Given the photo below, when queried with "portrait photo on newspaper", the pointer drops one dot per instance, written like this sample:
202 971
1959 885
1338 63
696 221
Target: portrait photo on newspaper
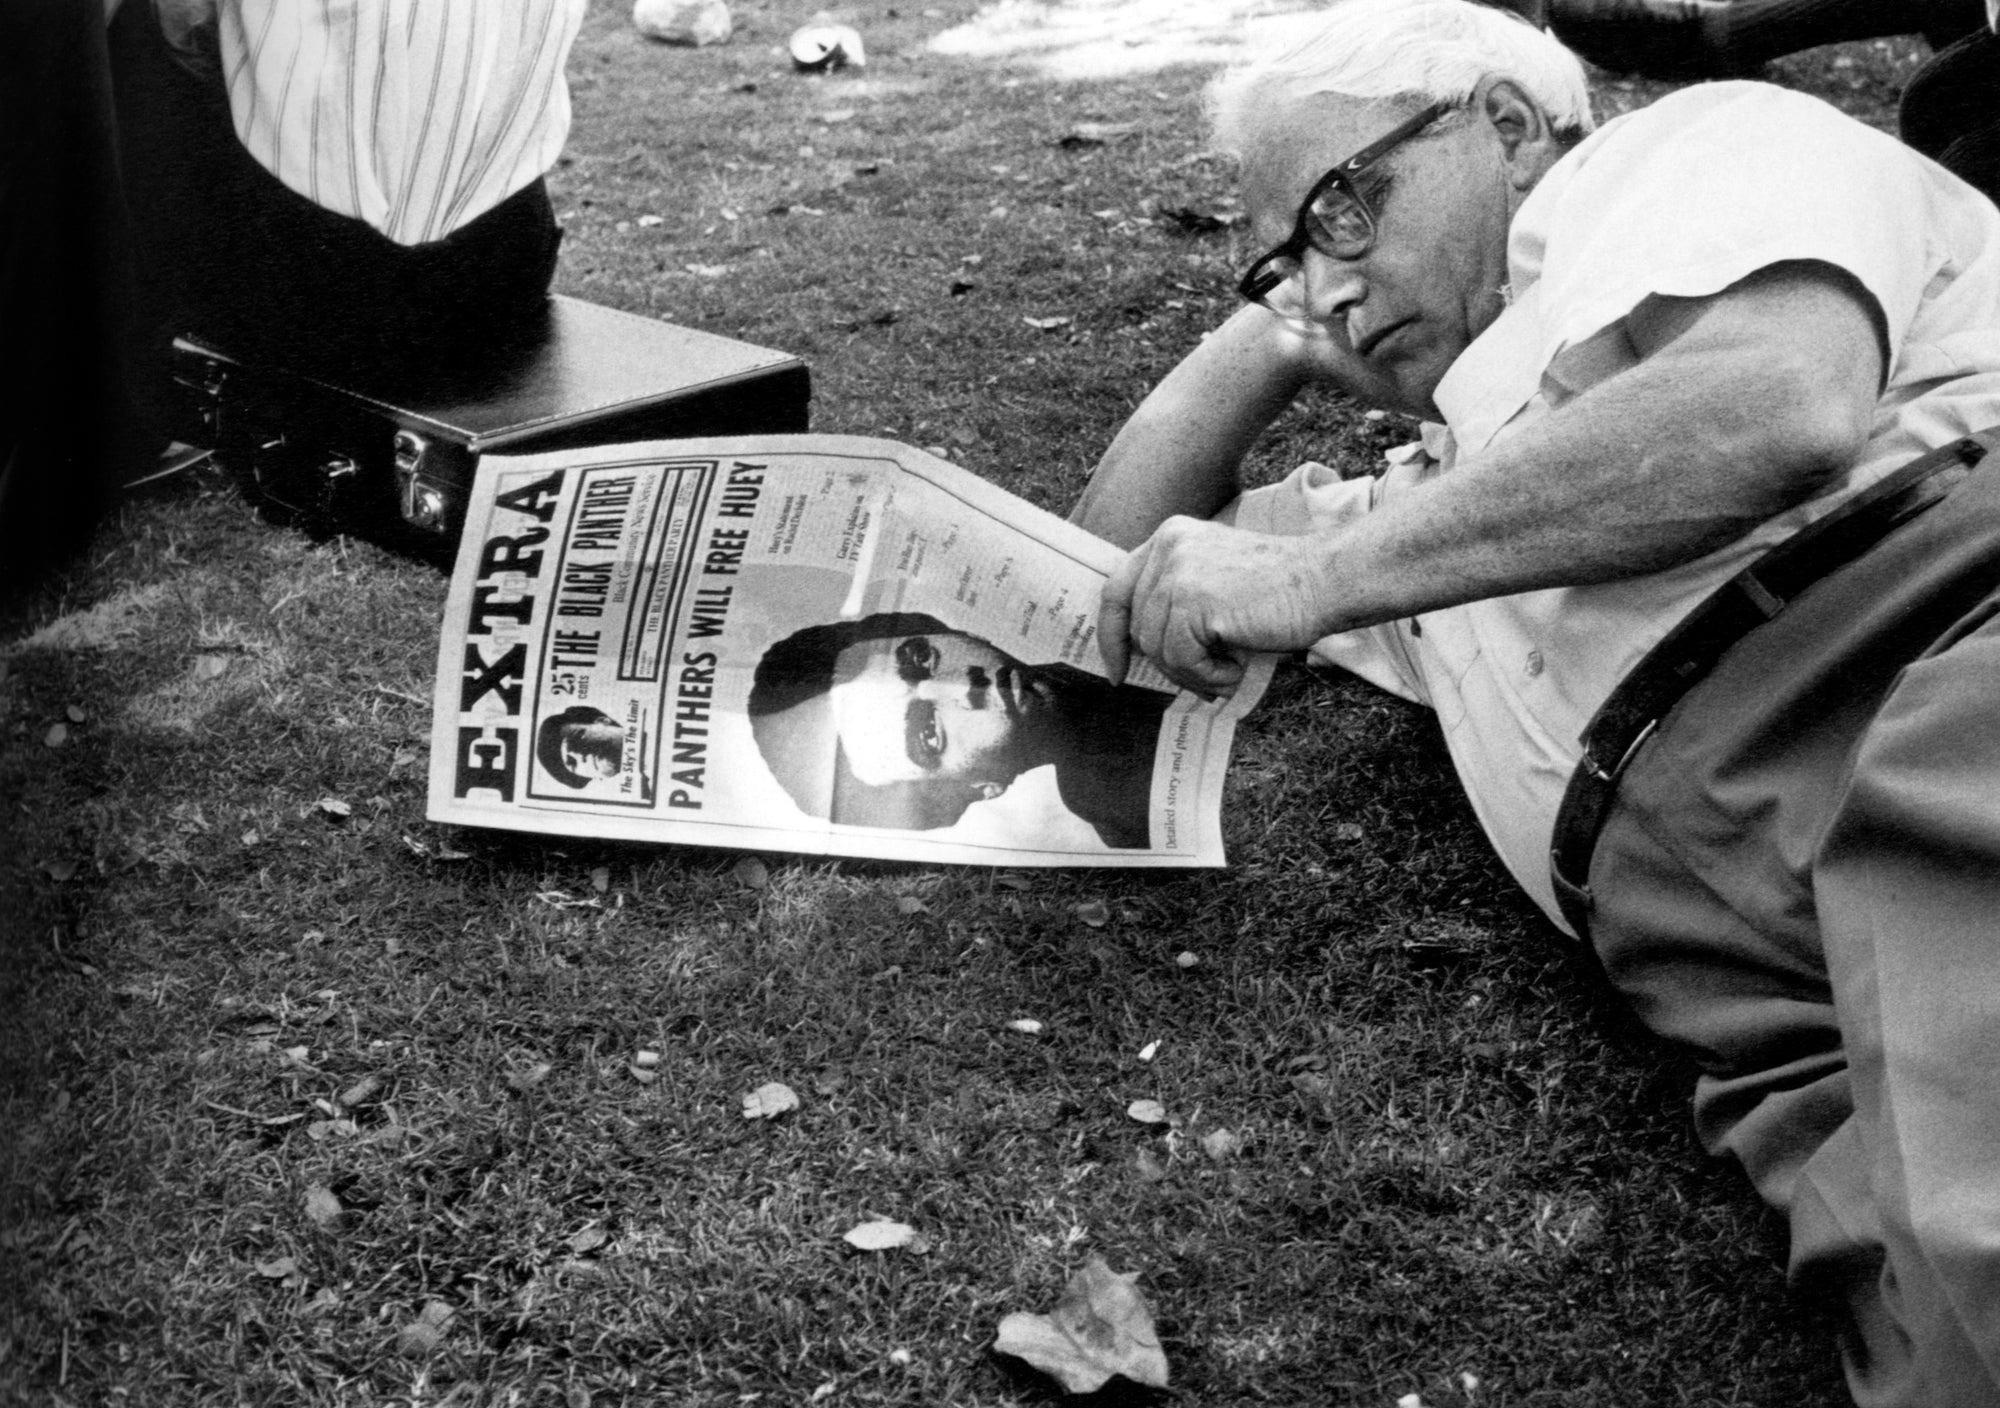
826 644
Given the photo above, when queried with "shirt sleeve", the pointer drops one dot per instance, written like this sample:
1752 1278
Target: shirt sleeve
1711 184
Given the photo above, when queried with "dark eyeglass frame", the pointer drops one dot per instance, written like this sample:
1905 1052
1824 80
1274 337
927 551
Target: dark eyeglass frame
1260 279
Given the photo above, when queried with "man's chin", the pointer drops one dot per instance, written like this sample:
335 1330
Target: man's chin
1416 396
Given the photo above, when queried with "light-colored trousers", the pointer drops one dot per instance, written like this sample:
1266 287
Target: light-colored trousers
1801 882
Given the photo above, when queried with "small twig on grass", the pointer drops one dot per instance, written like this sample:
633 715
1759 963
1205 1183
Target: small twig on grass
245 1114
400 694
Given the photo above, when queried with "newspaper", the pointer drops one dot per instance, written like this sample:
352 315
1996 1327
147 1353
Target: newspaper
816 643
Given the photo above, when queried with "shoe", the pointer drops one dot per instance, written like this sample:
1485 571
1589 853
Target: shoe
1677 39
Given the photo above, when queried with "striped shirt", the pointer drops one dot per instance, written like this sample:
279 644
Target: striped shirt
416 116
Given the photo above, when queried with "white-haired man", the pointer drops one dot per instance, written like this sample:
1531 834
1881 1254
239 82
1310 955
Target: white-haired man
1698 567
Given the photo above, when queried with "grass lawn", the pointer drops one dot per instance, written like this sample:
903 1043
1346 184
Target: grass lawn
304 1109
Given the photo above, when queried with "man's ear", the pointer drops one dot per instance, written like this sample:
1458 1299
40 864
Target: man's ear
1527 138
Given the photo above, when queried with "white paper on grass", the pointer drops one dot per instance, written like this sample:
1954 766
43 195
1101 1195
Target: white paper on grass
697 22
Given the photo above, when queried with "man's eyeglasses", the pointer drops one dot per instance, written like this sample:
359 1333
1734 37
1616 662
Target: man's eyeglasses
1334 219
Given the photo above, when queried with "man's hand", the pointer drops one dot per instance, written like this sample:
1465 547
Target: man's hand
1197 597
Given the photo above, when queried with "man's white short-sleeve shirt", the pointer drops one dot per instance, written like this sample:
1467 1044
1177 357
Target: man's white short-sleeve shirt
1683 198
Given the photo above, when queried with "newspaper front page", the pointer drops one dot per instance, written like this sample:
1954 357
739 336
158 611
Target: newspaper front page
825 644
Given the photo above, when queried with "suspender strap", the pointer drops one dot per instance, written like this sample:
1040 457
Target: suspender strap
1743 603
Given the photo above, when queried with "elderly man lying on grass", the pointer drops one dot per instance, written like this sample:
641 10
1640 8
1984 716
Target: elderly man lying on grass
1722 331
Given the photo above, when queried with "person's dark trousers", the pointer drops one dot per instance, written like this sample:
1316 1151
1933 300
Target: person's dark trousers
228 251
66 430
1754 32
1951 111
1690 39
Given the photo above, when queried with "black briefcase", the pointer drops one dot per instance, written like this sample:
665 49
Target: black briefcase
387 450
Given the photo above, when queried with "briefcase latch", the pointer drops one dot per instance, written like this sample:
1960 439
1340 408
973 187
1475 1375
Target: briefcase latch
422 496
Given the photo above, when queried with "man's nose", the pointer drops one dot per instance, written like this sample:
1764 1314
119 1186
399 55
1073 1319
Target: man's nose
970 690
1331 286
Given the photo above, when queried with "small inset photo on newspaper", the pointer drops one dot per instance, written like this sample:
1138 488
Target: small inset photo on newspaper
825 644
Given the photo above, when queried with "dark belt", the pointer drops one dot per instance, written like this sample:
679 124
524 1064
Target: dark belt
1746 601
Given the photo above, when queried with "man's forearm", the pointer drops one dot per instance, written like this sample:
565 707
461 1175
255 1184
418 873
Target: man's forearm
1150 473
1646 470
1180 451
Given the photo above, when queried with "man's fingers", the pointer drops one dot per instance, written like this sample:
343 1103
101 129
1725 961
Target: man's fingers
1189 656
1216 677
1114 616
1147 608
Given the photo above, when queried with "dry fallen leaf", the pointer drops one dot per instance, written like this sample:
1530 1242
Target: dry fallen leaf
1222 1144
365 1089
881 1235
322 1207
910 904
1027 1025
1192 221
1101 1327
751 873
57 735
588 1240
1317 1094
278 1268
420 1338
1095 913
1147 1111
74 713
334 807
527 1080
1187 958
770 1100
1046 324
1149 1166
1149 1051
1095 134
